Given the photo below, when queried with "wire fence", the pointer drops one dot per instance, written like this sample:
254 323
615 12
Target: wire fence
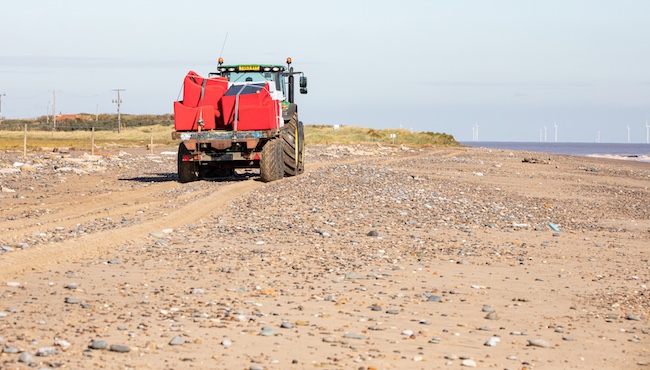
88 138
50 127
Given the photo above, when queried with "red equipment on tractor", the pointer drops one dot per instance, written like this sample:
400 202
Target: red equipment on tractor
243 116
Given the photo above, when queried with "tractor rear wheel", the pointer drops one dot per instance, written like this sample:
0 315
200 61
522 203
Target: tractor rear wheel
271 164
293 137
301 151
187 171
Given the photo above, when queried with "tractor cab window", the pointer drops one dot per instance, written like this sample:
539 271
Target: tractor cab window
249 76
276 80
280 84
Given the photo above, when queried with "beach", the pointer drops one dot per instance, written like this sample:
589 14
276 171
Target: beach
377 257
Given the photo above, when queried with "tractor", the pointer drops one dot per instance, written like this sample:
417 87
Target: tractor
242 116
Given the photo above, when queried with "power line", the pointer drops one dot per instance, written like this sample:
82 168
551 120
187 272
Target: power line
73 95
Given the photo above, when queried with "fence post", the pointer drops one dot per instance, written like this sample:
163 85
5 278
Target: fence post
25 143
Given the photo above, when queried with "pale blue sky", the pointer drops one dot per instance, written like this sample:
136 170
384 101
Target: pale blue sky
512 67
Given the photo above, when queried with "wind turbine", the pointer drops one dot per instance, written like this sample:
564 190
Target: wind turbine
544 133
477 132
628 134
473 133
555 125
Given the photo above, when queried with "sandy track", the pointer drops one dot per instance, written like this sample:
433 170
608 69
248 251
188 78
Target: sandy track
65 212
66 208
190 207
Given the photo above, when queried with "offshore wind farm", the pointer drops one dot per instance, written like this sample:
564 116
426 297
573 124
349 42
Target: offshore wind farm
624 151
630 135
633 148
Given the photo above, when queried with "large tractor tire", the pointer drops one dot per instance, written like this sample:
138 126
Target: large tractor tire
271 164
293 138
187 171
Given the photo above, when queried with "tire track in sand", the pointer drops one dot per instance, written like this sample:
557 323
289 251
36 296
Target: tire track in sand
89 246
15 264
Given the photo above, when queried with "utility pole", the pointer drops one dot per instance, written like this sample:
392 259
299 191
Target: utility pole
54 110
119 104
1 95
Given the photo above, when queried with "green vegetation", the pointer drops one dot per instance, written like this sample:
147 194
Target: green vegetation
85 122
137 131
323 134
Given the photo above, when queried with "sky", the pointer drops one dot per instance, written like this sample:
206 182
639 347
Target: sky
509 67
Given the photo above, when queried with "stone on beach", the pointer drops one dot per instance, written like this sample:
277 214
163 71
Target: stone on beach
176 341
539 343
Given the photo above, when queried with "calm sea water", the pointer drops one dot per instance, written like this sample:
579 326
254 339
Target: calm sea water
637 152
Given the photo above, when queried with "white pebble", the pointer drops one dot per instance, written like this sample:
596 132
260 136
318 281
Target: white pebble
492 341
538 343
468 363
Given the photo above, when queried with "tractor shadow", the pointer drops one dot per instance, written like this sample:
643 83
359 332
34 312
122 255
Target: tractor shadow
173 177
153 177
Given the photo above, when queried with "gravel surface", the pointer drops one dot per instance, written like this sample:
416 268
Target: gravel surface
375 258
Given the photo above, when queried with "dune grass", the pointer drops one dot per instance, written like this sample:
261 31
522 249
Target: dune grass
43 137
323 134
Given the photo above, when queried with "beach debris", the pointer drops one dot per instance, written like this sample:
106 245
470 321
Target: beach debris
553 226
536 160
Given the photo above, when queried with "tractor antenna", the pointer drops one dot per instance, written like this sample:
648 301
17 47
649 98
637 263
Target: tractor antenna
224 45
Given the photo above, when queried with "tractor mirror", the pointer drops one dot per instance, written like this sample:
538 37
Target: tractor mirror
303 85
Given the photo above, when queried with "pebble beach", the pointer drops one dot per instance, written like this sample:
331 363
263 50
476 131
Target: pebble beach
377 257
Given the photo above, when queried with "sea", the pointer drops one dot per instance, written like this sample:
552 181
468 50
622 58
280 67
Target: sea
622 151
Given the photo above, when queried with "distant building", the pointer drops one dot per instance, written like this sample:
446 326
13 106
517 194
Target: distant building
62 117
